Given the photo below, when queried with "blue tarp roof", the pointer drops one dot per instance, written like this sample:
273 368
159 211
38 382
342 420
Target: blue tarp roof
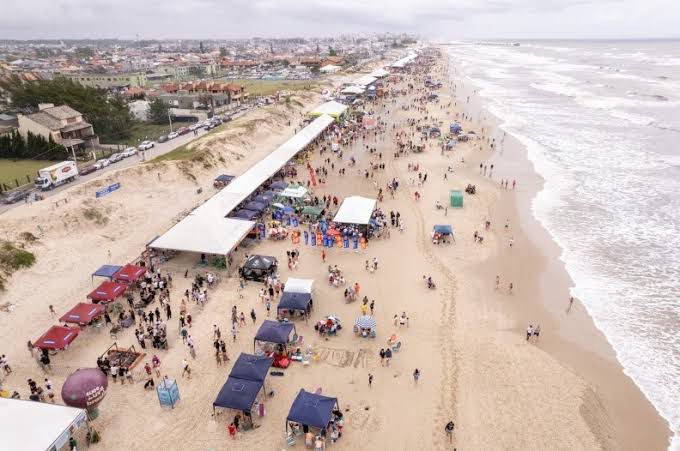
251 367
443 228
279 185
274 332
245 214
225 178
255 206
106 271
294 301
312 410
264 198
239 394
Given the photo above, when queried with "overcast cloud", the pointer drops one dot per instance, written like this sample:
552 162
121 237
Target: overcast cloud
448 19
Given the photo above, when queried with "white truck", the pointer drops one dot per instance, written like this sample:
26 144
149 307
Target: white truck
56 175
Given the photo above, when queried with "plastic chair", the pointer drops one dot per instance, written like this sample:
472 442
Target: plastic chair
290 439
396 347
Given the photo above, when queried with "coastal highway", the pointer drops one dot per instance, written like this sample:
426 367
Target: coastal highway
158 150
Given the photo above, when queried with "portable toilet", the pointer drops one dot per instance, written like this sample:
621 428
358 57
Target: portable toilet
456 198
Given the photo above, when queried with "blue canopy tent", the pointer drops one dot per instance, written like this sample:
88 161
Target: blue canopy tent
312 410
255 206
264 199
295 301
279 185
274 332
106 271
251 367
238 394
455 128
245 214
444 229
224 178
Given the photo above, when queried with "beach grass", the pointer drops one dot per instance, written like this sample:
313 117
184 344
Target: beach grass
19 169
184 152
142 131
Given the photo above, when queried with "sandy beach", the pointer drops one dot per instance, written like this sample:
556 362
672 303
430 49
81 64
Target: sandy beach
564 390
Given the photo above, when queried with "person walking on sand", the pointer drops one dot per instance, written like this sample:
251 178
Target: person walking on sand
382 356
530 331
416 375
498 281
510 288
537 331
370 380
372 306
233 331
253 316
323 255
52 312
185 369
388 356
449 430
571 302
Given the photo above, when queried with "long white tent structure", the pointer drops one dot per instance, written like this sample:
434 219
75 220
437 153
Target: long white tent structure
355 210
37 426
364 80
331 108
205 234
206 229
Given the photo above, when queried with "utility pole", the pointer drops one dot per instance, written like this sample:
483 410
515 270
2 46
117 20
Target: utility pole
170 119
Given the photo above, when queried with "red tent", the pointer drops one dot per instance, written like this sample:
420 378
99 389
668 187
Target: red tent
129 273
107 291
57 337
83 313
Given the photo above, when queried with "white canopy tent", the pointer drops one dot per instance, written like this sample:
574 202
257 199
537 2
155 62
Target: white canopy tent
331 108
353 90
365 80
205 234
36 426
298 285
379 73
355 210
295 192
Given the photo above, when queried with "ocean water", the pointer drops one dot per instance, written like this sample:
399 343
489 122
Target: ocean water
601 122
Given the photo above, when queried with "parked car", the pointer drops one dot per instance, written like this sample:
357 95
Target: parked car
15 196
173 135
163 138
101 164
130 151
183 130
116 157
195 126
87 170
145 145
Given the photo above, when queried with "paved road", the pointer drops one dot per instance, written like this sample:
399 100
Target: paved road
158 150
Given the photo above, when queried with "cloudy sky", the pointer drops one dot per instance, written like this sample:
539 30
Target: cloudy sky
450 19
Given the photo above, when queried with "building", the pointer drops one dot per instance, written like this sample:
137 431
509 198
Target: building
108 81
62 123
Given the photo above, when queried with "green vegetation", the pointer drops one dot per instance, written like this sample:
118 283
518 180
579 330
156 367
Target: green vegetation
109 115
184 152
94 215
19 169
14 145
158 111
142 131
13 258
269 87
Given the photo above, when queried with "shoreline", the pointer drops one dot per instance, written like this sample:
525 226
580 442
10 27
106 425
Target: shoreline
575 340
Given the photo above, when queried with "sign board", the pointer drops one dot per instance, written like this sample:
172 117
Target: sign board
109 189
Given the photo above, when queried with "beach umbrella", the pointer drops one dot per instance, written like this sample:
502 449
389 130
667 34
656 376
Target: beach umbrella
365 322
279 205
